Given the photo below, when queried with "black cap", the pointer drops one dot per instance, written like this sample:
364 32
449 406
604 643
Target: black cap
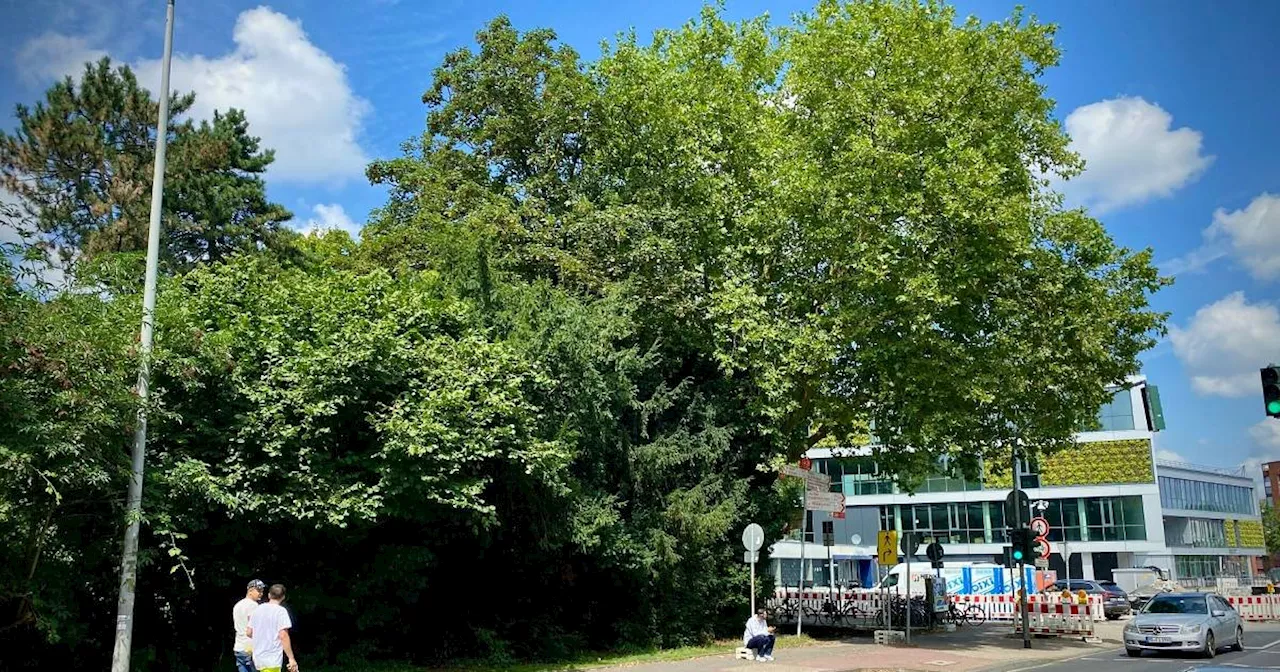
257 584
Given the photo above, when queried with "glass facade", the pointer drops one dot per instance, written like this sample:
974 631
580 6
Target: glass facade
1073 519
1210 566
1116 414
1197 532
855 476
1181 493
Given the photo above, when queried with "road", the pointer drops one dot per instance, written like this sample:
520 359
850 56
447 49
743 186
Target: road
1262 652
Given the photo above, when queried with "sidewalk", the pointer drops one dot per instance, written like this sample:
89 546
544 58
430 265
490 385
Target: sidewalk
966 650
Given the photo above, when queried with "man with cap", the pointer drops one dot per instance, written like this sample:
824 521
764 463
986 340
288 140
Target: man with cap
243 647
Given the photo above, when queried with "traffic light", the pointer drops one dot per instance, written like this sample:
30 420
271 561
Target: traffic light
1271 390
1008 560
1021 542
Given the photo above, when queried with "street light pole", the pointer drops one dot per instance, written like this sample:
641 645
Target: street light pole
129 556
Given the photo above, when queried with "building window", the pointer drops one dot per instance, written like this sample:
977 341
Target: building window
1196 566
861 476
888 518
1028 474
1072 519
1188 495
1195 532
1114 415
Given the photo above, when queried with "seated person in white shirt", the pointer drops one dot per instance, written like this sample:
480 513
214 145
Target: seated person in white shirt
759 636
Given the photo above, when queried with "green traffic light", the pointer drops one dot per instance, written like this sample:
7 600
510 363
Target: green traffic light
1017 555
1273 406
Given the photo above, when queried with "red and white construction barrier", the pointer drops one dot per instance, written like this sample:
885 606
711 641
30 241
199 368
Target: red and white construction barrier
1063 618
1256 608
1005 607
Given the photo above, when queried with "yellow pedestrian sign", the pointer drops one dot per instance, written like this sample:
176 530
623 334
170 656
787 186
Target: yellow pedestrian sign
887 548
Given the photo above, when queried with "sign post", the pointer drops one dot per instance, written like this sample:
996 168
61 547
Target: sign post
910 544
816 497
752 540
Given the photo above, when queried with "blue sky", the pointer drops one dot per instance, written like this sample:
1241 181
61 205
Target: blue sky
1173 106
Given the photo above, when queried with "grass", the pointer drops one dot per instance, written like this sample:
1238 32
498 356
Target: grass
583 662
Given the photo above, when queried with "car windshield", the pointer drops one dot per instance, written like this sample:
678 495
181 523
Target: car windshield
1168 604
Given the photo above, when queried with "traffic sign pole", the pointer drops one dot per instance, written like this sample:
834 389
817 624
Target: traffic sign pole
804 518
1022 566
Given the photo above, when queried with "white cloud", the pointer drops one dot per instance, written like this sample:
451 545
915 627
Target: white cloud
1169 456
1266 434
1225 343
1252 234
330 217
54 56
296 96
1131 153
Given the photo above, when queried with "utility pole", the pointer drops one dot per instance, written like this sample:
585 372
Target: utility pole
1022 564
129 557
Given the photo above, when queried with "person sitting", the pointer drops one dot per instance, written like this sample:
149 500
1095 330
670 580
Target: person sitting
759 636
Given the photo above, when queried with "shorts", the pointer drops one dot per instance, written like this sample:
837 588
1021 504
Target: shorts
268 669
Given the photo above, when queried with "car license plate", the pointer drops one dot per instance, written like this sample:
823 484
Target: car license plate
1159 640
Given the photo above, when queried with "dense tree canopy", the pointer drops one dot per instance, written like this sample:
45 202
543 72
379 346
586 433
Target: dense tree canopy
532 408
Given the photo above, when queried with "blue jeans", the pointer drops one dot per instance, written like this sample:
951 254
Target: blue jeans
244 662
763 644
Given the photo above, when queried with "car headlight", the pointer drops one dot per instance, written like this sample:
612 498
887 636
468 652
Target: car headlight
1191 629
1130 627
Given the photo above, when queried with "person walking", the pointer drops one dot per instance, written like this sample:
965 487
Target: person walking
759 636
243 646
269 629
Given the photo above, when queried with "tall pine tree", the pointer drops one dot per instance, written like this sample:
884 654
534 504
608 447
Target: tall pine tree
80 164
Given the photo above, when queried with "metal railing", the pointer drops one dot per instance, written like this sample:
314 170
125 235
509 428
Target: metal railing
1225 471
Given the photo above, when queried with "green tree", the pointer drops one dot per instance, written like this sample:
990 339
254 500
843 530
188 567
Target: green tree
80 162
1271 528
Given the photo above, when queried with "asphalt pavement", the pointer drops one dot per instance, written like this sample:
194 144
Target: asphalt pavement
1262 652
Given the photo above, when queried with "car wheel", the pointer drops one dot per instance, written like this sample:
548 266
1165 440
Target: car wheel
1210 646
1239 645
1134 653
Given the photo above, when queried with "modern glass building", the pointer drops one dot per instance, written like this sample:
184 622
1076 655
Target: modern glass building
1108 502
1211 520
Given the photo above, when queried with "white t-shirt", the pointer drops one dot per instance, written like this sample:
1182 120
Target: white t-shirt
267 621
755 626
240 621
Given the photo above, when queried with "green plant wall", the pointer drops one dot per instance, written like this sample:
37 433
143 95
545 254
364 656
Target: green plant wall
1251 534
1090 463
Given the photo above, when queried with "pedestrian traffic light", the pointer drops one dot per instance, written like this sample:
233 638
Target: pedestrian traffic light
1271 390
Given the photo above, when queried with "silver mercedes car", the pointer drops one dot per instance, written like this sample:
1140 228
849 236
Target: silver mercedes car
1197 622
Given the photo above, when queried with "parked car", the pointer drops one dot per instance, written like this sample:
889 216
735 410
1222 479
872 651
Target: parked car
1114 601
1197 622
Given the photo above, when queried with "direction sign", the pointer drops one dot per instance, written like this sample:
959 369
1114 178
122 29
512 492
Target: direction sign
825 501
753 537
887 547
794 471
816 482
1039 527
